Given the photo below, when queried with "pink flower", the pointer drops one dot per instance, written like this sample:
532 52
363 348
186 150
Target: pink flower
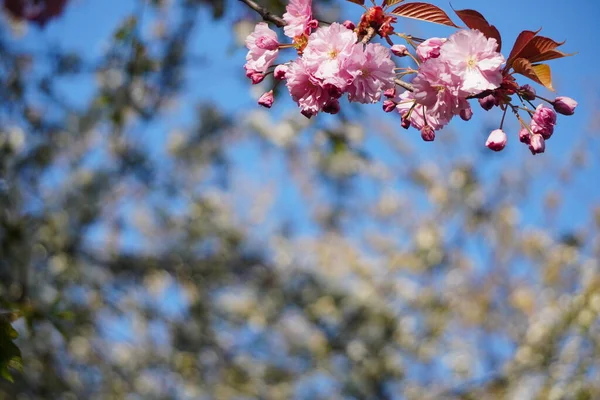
497 140
298 18
437 88
474 58
374 75
267 99
565 105
389 106
349 25
430 48
418 114
544 120
524 136
305 89
259 59
537 144
328 54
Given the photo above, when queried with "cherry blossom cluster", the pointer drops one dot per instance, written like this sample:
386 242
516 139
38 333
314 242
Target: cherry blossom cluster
335 59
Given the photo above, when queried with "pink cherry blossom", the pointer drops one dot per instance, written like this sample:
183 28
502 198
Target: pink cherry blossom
328 52
474 58
267 99
565 105
430 48
544 120
419 113
298 18
259 59
438 89
374 75
497 140
305 89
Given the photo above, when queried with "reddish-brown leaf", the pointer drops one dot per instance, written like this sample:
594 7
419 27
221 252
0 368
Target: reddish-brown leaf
522 41
539 45
539 73
475 20
424 12
359 2
550 55
388 3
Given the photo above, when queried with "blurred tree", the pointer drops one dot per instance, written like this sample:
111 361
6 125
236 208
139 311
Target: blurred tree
132 275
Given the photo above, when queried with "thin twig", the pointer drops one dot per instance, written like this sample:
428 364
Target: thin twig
405 85
264 13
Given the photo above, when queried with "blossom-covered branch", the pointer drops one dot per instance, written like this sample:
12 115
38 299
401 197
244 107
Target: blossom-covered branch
264 13
339 60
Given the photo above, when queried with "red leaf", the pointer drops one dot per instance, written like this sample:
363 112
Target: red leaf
388 3
424 12
475 20
522 41
550 55
539 73
539 45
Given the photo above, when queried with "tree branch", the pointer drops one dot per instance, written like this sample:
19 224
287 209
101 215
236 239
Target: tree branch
264 13
405 85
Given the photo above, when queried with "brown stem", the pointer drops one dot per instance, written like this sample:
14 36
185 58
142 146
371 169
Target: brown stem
264 13
405 85
370 34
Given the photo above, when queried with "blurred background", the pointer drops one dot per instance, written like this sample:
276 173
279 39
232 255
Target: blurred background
164 237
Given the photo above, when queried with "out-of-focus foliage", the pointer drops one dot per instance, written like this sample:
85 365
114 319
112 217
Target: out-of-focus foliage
183 273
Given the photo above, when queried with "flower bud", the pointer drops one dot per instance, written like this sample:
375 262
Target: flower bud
267 43
399 50
544 120
466 114
280 72
528 92
332 107
390 93
488 102
524 136
267 99
349 25
389 106
497 140
565 105
405 123
427 133
257 77
537 144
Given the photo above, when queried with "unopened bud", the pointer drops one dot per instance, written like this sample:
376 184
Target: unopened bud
497 140
389 106
405 123
537 144
524 136
280 72
390 93
466 114
427 133
488 102
332 107
349 25
267 99
399 50
565 105
257 78
528 92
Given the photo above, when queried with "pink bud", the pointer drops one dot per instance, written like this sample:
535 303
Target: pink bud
313 24
544 120
267 99
524 136
280 72
267 43
256 77
488 102
389 106
405 123
427 133
537 144
466 114
349 25
565 105
332 107
399 50
390 93
497 140
527 92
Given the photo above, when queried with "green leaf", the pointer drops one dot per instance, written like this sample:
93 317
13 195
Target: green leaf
10 355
